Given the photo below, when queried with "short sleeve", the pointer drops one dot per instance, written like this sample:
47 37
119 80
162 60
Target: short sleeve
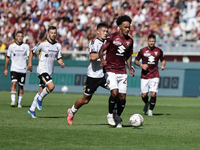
161 56
59 56
9 51
37 48
28 50
93 47
108 42
139 56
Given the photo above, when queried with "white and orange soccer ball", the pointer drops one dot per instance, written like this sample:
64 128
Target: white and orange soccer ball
136 120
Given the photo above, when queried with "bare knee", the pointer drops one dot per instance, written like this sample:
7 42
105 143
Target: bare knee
153 94
114 93
50 86
144 95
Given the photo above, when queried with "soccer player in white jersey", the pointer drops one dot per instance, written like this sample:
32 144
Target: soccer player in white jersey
95 74
49 51
18 52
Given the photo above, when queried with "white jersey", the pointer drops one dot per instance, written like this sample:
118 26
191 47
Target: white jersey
48 53
18 54
94 69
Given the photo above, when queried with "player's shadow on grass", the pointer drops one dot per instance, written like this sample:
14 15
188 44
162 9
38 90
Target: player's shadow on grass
27 106
124 126
53 117
94 124
158 114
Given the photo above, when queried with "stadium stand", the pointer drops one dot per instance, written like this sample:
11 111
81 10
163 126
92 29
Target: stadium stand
176 23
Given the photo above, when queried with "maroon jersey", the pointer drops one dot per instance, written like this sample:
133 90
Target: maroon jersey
150 57
118 50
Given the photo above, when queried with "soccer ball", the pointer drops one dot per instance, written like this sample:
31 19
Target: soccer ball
136 120
64 89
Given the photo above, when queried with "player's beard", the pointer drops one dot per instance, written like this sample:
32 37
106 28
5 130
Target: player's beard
151 47
52 39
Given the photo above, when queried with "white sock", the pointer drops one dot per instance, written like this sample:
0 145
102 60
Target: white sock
73 110
44 92
13 95
20 99
34 104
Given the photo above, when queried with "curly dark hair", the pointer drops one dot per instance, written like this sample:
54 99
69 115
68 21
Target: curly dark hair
122 19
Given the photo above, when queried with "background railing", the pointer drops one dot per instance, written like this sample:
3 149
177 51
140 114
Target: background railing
175 48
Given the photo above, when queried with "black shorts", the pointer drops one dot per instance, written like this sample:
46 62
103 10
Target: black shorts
92 84
18 77
44 79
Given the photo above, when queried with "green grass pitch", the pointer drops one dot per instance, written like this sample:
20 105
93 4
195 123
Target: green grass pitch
174 126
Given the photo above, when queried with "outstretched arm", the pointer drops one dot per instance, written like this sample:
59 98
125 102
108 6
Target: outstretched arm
101 53
61 63
143 66
30 58
6 66
95 56
130 66
163 63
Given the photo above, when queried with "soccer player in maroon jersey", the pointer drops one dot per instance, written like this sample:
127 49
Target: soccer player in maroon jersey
119 48
150 56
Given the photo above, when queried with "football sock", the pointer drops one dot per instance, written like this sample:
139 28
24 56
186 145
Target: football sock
13 95
152 103
44 92
145 99
34 104
111 103
20 99
73 110
120 107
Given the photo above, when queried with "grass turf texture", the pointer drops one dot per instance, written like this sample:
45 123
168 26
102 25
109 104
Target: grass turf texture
175 124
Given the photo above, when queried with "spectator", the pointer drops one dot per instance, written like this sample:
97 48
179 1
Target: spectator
2 45
177 30
192 36
139 18
41 4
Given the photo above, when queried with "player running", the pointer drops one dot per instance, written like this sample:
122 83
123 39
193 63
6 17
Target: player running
95 74
49 50
18 52
119 48
150 56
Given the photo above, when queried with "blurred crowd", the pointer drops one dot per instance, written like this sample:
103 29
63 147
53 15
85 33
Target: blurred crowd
76 20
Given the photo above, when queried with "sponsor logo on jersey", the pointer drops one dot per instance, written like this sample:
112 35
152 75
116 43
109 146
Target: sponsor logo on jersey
121 50
151 60
117 43
147 54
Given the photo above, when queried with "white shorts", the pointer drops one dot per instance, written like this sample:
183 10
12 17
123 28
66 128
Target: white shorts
149 85
116 81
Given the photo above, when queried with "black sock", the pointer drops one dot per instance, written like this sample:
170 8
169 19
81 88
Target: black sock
152 103
111 103
145 99
120 107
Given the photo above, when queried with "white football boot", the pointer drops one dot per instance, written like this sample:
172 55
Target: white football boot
110 119
150 112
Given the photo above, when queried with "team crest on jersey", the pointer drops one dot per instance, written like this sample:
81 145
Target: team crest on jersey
156 53
127 43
